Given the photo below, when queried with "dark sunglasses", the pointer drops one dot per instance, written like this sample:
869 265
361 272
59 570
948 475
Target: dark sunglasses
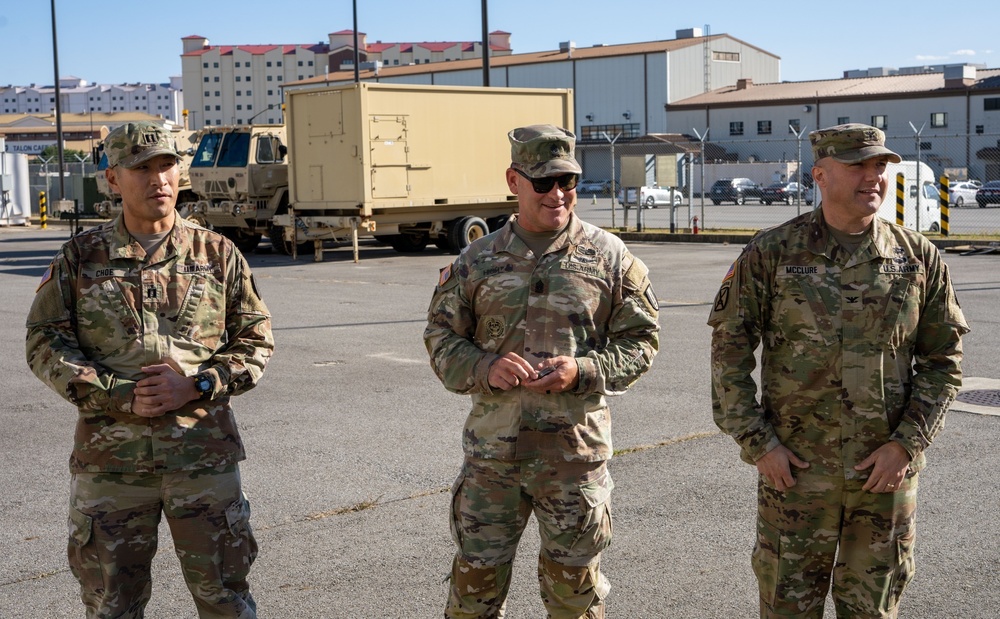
567 182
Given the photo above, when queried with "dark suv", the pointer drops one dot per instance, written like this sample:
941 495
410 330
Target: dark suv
736 190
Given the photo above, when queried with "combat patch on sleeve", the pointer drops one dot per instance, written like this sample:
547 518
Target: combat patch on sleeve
46 276
444 275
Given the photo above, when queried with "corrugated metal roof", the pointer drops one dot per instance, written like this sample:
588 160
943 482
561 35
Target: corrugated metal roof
844 88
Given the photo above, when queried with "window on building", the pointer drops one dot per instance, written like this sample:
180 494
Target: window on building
736 128
926 146
237 65
794 125
301 76
268 63
239 107
206 78
939 119
269 77
395 61
843 120
249 94
763 127
239 121
279 78
215 65
249 107
310 63
237 78
218 108
991 104
208 108
300 63
216 93
216 78
239 93
279 63
980 129
204 65
270 93
726 56
208 94
880 121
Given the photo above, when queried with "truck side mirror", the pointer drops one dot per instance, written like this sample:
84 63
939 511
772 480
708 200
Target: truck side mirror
282 151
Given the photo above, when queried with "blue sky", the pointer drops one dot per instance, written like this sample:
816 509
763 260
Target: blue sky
115 41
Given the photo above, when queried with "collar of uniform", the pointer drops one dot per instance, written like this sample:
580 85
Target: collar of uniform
124 246
509 242
820 242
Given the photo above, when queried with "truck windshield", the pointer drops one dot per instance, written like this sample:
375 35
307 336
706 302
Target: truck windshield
208 148
235 152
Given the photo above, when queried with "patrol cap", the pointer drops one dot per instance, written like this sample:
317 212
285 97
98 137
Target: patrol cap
133 143
543 150
850 143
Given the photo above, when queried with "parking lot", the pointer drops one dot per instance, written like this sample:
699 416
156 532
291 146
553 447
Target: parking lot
353 444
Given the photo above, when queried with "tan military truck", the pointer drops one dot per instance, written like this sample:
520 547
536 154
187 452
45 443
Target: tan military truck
184 142
240 177
407 164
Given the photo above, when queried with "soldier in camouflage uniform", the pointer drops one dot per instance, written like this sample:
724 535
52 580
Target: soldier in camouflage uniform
148 324
861 349
538 321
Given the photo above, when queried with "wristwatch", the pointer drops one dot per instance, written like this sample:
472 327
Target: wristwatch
204 385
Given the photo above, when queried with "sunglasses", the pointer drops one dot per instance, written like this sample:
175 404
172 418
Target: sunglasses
567 182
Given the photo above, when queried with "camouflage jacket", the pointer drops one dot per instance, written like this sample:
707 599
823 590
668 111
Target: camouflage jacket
856 350
104 310
587 297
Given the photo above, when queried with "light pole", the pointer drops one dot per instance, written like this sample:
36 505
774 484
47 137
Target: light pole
798 166
614 195
920 190
701 139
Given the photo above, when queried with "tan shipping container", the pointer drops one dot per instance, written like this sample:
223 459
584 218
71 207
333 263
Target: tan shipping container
406 159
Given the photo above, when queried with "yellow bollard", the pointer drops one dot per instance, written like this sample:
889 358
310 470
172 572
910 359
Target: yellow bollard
943 196
42 209
900 197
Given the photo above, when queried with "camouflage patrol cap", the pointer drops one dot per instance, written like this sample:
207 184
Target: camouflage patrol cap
850 143
133 143
543 150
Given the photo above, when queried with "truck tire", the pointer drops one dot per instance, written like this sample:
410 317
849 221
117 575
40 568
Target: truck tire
277 235
740 199
409 243
650 202
464 231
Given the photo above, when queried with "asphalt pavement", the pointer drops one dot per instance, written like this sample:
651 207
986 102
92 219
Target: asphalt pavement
353 444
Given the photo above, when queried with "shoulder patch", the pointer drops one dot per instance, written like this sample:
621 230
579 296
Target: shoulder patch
46 276
729 273
444 275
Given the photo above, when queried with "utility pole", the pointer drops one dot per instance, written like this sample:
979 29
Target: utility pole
614 195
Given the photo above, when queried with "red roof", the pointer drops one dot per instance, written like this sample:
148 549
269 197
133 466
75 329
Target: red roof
437 47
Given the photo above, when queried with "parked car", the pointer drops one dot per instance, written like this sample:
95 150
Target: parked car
988 194
593 186
787 193
652 197
962 192
736 190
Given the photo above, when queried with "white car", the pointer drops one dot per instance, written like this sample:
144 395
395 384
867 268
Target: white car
962 192
653 197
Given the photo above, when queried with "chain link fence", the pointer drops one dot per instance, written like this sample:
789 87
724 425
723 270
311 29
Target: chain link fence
693 167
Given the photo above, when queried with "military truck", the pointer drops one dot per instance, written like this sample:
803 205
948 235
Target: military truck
407 164
240 177
111 206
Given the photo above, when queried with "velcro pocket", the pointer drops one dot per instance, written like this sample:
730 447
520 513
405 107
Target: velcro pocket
81 527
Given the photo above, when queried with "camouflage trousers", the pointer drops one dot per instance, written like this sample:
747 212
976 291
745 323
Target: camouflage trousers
491 503
827 526
113 523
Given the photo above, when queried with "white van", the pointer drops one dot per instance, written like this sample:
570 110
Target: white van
930 205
